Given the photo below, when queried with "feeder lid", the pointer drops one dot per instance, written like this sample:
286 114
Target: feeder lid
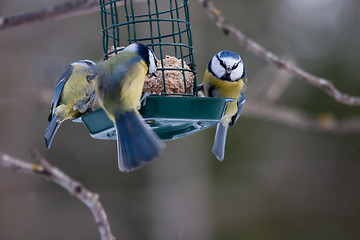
170 117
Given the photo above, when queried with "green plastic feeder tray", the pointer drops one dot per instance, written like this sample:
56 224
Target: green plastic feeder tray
169 117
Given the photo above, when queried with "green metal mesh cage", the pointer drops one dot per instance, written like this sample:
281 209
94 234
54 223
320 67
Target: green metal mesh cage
163 25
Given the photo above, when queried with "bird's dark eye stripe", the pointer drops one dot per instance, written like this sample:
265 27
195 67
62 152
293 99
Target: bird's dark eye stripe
221 62
235 66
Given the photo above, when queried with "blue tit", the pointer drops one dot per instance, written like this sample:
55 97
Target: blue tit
119 89
225 77
74 96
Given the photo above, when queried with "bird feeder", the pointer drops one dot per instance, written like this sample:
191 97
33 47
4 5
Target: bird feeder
174 109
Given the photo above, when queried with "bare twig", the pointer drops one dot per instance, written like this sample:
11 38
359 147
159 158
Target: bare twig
57 12
257 49
46 170
279 84
300 120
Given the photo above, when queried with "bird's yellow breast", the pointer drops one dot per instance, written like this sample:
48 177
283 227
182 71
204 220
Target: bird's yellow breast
75 89
132 89
225 89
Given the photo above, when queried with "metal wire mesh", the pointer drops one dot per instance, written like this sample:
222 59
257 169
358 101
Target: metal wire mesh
163 25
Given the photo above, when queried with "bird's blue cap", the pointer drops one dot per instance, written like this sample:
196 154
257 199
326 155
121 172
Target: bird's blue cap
229 54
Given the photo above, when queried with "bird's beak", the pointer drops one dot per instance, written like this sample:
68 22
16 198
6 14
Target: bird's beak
228 70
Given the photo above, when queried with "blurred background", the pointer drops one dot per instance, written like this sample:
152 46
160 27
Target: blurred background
276 182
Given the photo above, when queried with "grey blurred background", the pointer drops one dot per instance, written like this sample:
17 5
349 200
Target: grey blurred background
276 182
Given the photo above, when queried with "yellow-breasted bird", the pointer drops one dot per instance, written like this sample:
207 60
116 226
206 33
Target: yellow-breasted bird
225 76
119 89
74 96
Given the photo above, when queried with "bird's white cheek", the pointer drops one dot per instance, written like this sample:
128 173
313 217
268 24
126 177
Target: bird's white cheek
216 68
152 65
152 68
237 73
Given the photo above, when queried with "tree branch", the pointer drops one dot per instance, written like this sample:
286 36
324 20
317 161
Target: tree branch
300 120
46 170
268 56
57 12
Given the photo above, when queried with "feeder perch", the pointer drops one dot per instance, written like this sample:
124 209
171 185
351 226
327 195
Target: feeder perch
174 109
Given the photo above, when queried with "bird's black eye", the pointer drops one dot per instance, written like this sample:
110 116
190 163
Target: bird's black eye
90 76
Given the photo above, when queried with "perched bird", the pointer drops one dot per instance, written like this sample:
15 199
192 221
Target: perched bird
74 96
119 89
225 77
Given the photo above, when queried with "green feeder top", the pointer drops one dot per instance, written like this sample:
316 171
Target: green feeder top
163 26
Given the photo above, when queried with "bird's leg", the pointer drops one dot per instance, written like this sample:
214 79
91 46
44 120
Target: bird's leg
200 90
200 87
144 98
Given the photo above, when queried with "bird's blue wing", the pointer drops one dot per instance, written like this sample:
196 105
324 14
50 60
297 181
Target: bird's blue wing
240 104
59 88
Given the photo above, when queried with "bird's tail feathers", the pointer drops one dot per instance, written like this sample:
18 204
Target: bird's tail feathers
220 140
137 143
51 130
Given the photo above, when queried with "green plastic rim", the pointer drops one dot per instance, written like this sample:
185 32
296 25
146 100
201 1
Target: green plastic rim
169 117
